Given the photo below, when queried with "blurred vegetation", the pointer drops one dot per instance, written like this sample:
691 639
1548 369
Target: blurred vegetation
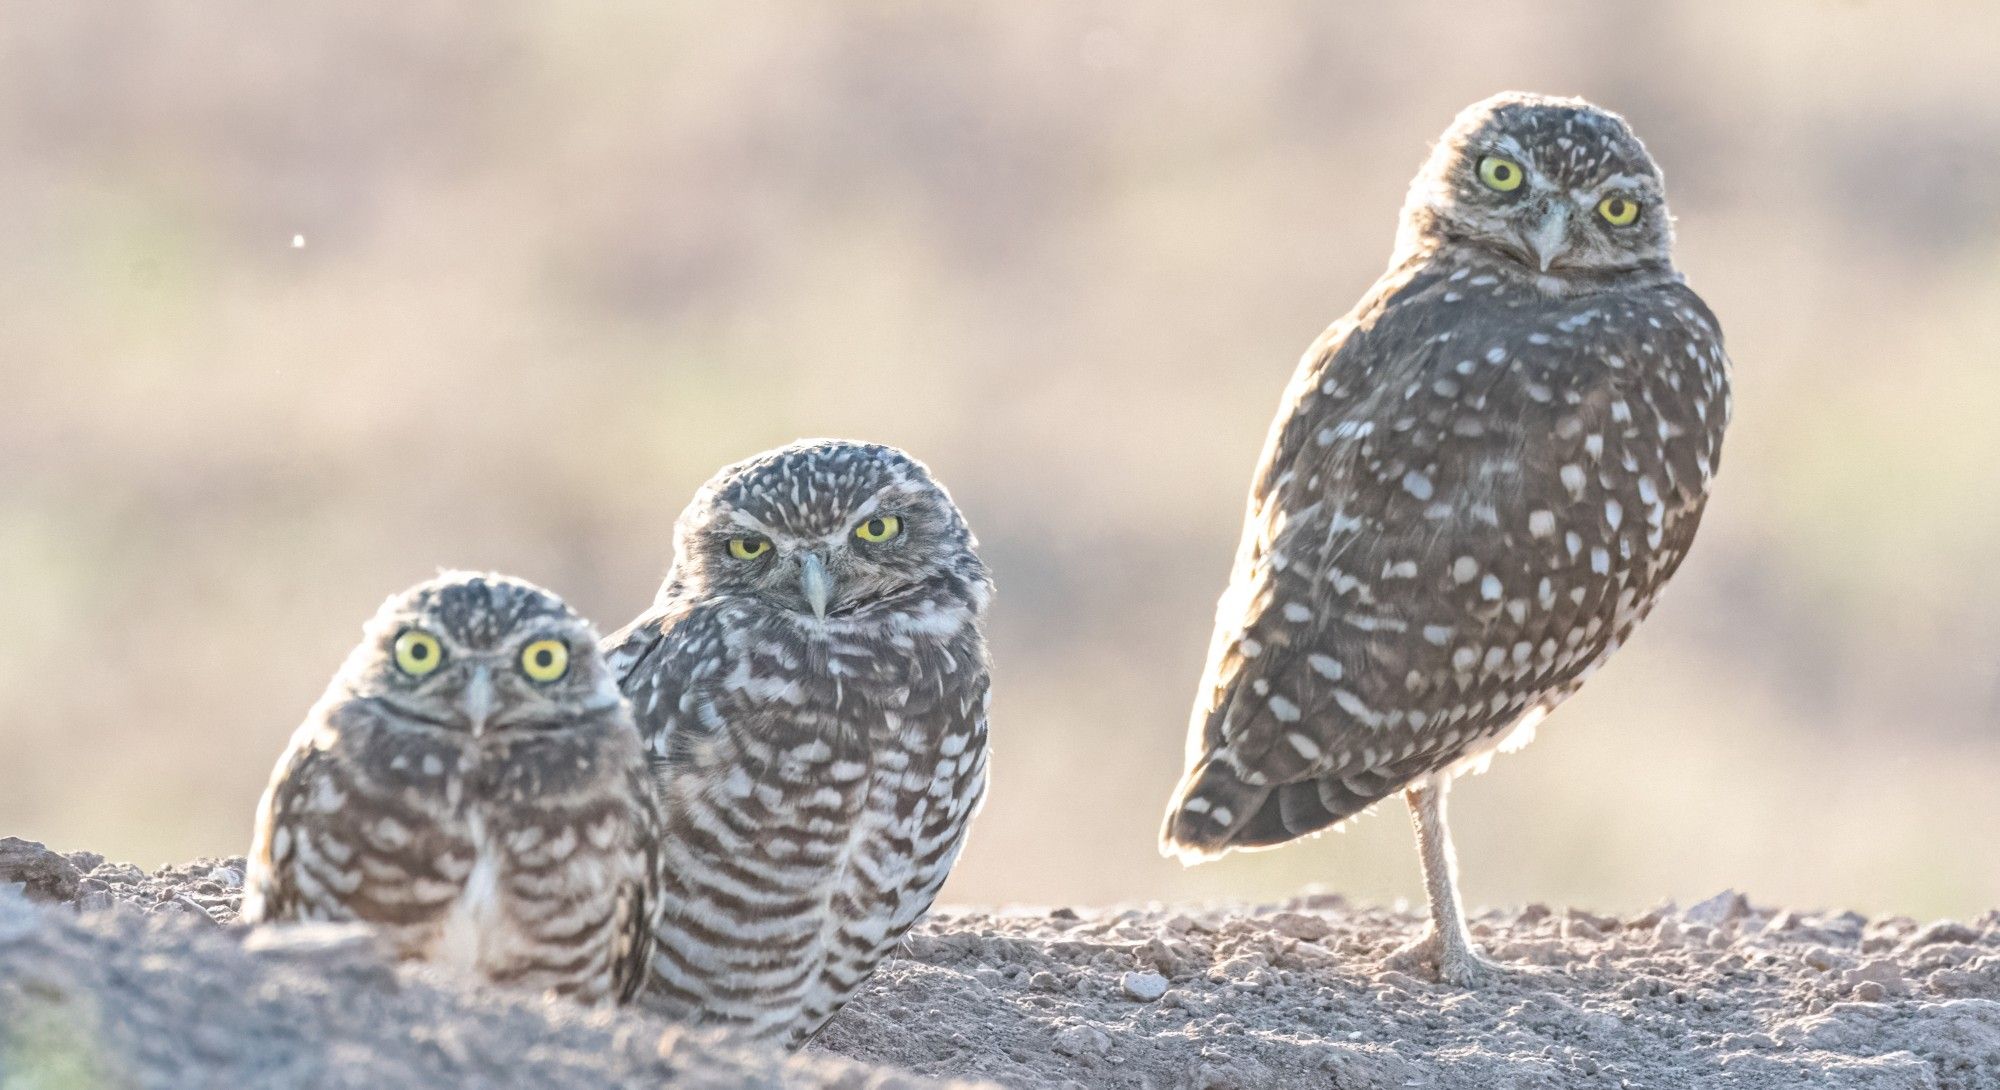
558 265
50 1045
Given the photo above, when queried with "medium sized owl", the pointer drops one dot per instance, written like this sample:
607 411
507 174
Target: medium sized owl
471 784
1478 483
812 681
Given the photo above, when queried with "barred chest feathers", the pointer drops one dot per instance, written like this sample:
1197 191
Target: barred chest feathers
813 687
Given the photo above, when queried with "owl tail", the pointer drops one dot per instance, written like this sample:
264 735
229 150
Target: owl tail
1209 808
1215 812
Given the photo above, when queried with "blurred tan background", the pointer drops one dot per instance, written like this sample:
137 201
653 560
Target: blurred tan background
556 267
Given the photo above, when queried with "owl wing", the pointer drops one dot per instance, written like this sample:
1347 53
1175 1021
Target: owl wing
1436 548
661 660
304 857
639 899
271 890
354 826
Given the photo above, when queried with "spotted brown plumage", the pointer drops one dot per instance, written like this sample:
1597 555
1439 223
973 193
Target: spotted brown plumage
812 682
498 824
1477 485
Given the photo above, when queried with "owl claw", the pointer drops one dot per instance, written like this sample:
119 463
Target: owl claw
1461 964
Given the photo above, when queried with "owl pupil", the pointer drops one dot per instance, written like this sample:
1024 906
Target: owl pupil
543 657
420 652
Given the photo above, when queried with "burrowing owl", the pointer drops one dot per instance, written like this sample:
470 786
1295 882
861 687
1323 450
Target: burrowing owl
812 683
1478 482
471 783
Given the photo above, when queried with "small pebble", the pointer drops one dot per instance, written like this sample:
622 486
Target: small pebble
1144 987
1082 1041
1881 972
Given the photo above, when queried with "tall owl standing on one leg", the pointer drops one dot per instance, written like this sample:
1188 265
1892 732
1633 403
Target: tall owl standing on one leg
813 683
1478 483
471 784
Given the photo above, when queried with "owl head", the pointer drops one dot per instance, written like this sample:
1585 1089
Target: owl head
1556 184
825 528
476 653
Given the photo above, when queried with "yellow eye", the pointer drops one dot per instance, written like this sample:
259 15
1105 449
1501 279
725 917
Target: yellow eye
879 529
418 653
1502 174
1618 211
748 548
545 660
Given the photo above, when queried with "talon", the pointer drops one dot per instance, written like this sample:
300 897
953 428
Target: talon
1461 965
1468 968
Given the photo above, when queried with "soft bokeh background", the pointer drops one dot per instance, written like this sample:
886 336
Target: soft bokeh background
561 262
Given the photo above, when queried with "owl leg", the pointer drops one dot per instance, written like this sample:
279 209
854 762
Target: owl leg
1447 945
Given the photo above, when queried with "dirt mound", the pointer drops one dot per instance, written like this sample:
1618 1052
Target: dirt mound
143 989
1724 994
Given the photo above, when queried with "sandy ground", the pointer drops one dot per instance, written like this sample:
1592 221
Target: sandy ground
142 987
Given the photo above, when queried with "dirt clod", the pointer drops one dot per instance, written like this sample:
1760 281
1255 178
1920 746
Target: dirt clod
43 875
1721 908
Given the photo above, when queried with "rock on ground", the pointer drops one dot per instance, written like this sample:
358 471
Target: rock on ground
1725 994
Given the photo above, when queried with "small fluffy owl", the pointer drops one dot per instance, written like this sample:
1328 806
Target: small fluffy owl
812 682
471 785
1478 483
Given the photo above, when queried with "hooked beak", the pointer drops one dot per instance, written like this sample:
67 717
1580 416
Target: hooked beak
476 701
816 583
1548 237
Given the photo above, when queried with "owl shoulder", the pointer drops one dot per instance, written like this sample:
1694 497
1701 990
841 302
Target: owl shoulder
677 649
1350 361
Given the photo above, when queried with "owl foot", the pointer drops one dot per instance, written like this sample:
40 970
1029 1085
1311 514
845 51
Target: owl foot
1459 963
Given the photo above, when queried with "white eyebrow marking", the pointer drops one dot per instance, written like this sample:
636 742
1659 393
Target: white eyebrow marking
1505 145
869 506
1640 187
744 519
861 514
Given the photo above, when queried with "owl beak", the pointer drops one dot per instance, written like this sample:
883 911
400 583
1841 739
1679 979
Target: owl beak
816 583
1549 234
475 702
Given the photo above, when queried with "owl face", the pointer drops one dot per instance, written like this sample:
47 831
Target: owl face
1556 184
480 652
822 528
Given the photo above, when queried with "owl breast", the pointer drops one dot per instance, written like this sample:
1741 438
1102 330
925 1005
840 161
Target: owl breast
817 794
519 858
460 941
